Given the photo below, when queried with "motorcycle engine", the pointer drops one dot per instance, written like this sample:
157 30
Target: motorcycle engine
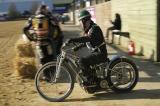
104 84
98 74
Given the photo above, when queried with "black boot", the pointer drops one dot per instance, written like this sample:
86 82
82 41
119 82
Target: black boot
88 79
90 82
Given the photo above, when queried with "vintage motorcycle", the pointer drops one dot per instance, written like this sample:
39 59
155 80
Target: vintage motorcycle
119 74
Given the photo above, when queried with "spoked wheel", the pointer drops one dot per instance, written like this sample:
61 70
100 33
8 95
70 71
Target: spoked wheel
122 75
51 89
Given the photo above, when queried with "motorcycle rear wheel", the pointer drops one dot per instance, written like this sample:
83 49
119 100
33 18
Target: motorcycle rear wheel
122 75
51 90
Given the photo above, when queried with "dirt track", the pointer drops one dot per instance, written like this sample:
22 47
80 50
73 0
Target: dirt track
15 91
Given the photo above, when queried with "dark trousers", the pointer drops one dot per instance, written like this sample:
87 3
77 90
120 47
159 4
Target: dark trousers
59 43
46 56
94 58
108 30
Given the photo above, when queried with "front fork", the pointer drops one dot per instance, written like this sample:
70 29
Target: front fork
60 60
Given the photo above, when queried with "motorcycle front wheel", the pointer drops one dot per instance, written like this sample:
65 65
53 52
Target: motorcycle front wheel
51 89
122 75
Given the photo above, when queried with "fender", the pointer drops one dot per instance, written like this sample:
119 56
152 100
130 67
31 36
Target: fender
115 58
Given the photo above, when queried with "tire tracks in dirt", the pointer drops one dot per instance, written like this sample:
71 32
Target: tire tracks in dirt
10 32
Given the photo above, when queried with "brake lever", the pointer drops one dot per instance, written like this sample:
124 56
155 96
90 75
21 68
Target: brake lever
75 44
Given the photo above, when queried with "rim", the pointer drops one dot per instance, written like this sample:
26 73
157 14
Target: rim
51 89
123 75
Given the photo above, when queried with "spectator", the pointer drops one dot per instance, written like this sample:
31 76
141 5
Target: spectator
116 25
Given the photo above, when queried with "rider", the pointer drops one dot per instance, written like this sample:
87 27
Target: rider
94 40
56 30
55 33
116 25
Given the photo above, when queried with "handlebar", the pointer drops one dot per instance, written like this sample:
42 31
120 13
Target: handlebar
69 49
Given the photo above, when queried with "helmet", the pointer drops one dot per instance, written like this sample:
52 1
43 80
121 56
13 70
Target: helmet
42 9
43 6
84 14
